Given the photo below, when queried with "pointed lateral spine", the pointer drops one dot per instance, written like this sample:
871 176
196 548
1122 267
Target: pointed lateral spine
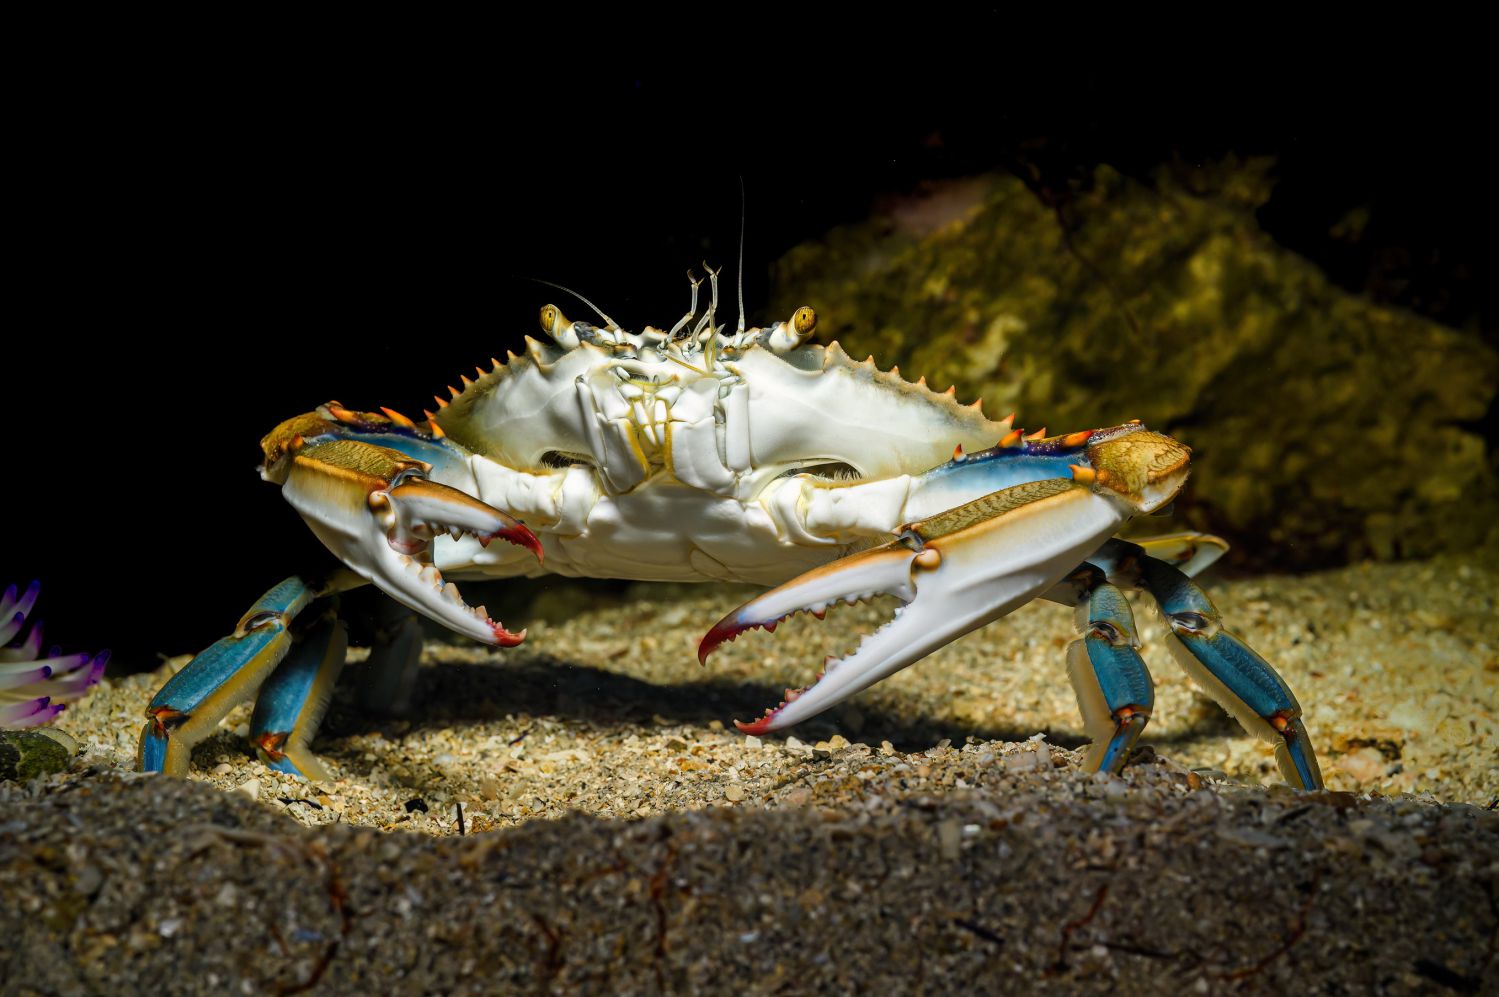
834 357
398 418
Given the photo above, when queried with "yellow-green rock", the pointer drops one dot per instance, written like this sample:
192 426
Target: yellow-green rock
1324 426
28 754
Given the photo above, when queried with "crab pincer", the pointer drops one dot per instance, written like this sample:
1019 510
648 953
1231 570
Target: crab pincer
953 573
377 509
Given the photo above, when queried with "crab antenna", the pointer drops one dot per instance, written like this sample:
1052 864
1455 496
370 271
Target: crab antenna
742 215
609 323
695 280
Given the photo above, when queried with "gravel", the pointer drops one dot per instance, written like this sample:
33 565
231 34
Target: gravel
579 814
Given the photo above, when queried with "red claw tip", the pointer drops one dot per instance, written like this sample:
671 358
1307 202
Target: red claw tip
756 727
518 535
722 631
503 637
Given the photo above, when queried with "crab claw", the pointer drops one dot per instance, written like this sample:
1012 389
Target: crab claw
378 512
965 567
954 573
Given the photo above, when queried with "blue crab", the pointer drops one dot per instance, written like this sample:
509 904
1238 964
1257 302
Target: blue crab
703 454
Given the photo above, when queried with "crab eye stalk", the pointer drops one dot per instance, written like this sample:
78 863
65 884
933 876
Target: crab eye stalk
556 325
551 317
787 336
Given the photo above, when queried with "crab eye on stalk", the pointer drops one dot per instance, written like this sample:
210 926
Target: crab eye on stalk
550 317
804 321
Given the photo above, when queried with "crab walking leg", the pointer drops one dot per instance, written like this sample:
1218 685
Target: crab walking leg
1240 680
1114 690
389 675
293 700
225 674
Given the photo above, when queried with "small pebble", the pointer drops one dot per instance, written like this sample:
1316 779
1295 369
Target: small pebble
734 793
249 789
88 880
950 839
1364 764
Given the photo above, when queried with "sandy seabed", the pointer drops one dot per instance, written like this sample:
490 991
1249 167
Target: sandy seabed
579 814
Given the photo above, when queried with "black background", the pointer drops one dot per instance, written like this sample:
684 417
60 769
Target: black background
205 243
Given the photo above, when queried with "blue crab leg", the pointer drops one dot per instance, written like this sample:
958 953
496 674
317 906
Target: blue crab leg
224 675
1231 672
1114 690
389 675
293 700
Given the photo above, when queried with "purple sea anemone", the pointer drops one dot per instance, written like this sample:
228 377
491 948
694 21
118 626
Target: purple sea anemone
35 689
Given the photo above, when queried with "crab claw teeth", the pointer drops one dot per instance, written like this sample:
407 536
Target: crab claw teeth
518 535
504 638
954 572
378 513
455 513
756 727
884 569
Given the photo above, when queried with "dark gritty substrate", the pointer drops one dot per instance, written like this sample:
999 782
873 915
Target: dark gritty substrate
616 837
